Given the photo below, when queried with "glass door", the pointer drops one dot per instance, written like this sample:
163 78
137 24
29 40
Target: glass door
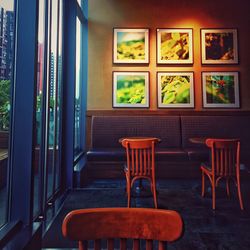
47 146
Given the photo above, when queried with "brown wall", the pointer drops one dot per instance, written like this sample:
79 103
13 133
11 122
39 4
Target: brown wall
104 15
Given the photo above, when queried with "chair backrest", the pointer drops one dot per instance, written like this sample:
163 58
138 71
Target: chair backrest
135 224
140 155
225 156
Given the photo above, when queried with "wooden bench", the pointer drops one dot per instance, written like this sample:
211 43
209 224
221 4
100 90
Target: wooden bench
176 156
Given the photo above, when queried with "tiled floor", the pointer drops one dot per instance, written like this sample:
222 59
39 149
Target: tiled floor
227 228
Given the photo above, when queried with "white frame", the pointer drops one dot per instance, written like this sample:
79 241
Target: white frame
221 105
219 61
130 73
131 30
179 105
180 61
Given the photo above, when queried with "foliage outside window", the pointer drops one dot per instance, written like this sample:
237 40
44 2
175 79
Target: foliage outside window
4 104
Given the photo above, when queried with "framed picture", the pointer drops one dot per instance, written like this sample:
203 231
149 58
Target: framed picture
131 45
174 46
220 89
175 89
131 89
219 46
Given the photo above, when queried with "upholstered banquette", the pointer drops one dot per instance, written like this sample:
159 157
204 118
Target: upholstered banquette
176 156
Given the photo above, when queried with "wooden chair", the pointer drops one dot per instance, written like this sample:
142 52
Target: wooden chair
140 163
225 164
104 225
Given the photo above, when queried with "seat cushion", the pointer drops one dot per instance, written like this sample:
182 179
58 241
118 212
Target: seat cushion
110 154
114 154
172 154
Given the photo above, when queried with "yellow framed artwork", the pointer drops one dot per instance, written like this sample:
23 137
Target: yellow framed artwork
130 45
174 46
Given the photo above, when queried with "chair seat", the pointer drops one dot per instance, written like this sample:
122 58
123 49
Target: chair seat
125 169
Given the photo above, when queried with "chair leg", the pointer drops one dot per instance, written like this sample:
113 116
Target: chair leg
202 184
83 245
228 188
213 195
151 187
154 195
129 192
239 194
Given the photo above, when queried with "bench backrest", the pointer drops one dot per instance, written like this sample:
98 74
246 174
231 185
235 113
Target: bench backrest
107 130
215 126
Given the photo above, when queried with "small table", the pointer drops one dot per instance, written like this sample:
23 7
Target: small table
198 140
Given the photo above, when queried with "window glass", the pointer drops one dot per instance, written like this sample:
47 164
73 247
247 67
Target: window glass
78 85
39 98
79 2
52 99
47 167
7 20
59 95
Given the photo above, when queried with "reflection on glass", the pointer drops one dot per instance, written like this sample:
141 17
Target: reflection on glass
77 146
52 99
79 2
59 95
39 97
6 68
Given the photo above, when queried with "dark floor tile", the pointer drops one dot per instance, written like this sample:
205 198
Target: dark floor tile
225 228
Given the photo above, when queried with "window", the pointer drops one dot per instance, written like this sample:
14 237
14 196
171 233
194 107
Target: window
47 146
80 80
37 172
7 21
79 2
78 88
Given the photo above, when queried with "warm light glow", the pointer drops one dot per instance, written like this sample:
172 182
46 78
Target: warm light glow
7 4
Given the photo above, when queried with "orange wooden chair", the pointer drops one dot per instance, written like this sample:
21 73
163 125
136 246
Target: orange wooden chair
104 225
140 163
225 164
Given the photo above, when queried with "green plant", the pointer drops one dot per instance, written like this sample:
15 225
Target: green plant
4 104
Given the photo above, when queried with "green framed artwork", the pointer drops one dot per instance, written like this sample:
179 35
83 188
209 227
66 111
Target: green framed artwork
175 89
131 89
220 89
174 46
130 45
219 46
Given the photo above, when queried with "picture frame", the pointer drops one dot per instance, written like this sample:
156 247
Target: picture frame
175 89
175 46
131 45
131 89
220 89
219 46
